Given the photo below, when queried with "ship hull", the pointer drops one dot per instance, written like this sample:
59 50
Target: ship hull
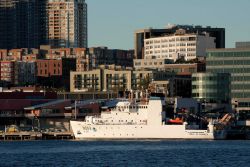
83 131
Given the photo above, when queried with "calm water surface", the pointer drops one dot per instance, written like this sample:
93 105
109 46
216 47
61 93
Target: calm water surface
125 153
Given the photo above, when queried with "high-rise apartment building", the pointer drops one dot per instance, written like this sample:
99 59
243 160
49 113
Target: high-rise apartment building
20 24
66 23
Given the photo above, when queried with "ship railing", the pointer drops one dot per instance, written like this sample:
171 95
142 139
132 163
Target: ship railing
128 123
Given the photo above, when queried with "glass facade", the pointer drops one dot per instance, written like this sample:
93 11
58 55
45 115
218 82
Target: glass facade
236 62
211 87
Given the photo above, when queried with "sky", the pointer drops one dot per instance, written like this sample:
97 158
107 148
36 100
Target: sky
112 23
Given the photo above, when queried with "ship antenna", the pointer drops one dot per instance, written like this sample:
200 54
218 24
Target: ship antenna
146 95
131 95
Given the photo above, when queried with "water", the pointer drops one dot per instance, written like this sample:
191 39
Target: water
125 153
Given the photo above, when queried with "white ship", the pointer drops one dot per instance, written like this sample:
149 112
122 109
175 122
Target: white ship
142 120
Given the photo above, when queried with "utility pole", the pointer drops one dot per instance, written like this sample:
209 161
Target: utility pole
75 109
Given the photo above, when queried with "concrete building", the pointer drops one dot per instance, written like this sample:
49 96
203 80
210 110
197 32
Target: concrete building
100 80
21 25
141 79
86 81
141 35
67 23
120 80
164 65
242 45
116 80
178 45
83 61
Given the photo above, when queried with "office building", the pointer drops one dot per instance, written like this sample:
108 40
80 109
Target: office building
211 87
242 44
141 35
178 45
237 62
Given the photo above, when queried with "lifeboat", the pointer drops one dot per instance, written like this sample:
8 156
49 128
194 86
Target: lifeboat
175 121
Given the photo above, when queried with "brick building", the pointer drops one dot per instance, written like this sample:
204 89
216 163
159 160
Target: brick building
55 72
7 72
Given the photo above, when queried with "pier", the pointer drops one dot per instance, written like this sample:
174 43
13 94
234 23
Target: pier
22 136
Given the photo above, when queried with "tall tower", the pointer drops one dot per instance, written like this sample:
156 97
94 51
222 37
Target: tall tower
20 24
66 22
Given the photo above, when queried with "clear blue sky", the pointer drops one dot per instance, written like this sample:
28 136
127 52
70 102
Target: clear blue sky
112 22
